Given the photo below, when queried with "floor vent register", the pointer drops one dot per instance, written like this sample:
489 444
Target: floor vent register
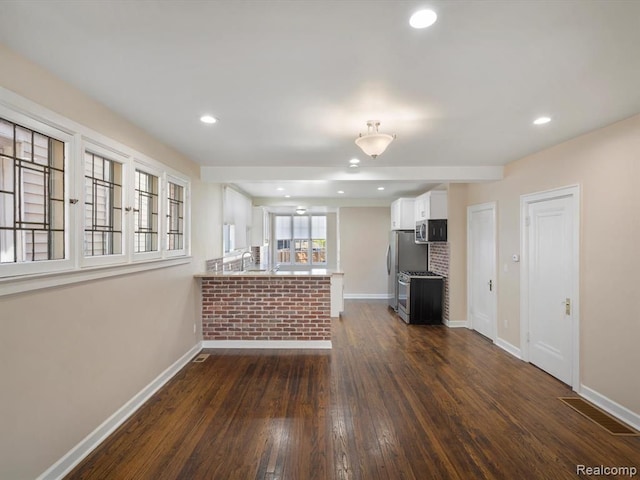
606 421
201 358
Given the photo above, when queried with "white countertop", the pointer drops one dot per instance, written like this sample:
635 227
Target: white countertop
319 272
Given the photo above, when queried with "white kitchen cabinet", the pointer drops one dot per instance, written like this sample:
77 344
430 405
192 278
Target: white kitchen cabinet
337 293
236 211
402 214
431 206
260 227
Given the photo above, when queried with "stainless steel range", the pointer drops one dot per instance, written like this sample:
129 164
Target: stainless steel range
420 297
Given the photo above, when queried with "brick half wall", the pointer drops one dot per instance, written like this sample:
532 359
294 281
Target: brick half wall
266 308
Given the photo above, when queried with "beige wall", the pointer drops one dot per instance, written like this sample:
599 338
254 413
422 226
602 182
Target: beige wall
457 238
606 165
71 356
364 237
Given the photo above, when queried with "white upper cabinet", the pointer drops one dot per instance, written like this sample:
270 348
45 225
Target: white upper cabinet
260 227
431 206
402 214
237 217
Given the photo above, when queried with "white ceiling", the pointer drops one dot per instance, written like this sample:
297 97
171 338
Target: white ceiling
293 83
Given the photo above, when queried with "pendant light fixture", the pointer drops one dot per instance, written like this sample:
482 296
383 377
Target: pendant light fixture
373 143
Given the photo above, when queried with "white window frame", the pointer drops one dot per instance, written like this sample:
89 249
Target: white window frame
160 229
186 233
46 266
292 249
75 268
118 258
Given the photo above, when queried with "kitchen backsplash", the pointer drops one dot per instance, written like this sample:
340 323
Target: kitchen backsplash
439 263
231 265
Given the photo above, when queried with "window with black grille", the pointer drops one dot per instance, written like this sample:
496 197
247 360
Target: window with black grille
175 216
145 212
73 200
32 190
103 206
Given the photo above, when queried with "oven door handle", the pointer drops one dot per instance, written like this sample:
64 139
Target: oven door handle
406 284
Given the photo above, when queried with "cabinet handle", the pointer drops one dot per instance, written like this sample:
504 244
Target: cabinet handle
491 285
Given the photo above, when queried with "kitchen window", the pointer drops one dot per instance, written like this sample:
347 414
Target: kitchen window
301 239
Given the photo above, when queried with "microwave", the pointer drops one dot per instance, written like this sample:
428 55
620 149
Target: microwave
422 231
431 231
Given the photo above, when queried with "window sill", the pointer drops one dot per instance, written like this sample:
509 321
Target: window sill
27 283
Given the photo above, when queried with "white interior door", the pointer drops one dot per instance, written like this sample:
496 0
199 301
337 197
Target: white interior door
481 266
550 283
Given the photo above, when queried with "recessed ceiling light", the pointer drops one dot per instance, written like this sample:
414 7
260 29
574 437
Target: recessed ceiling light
541 120
380 188
208 119
340 192
280 189
287 196
423 19
354 161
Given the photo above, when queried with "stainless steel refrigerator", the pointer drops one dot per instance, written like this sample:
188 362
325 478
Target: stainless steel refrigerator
404 254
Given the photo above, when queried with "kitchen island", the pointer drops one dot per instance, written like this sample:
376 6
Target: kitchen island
269 309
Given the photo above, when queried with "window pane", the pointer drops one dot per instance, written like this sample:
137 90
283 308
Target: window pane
283 227
39 149
37 245
301 227
308 244
56 153
283 253
319 254
229 237
103 206
56 185
23 143
175 216
7 246
302 251
319 227
146 212
32 187
6 211
6 138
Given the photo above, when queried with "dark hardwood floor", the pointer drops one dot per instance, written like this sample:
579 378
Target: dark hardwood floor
389 401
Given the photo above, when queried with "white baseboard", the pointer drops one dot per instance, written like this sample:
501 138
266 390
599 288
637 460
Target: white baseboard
506 346
366 296
608 405
74 456
291 344
456 323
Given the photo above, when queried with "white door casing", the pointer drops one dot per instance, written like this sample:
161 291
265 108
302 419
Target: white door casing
549 301
481 269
